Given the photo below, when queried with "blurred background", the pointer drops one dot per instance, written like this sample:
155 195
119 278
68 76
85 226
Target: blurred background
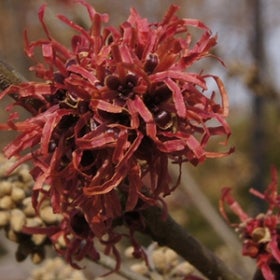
248 43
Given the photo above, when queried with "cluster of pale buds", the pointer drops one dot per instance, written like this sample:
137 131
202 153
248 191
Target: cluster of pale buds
163 263
17 212
56 268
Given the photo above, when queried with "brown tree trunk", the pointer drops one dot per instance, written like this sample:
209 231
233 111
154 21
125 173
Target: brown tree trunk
258 140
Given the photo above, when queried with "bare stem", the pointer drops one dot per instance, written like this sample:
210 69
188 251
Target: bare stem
9 76
168 233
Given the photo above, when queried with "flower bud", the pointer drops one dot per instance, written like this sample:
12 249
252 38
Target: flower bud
5 188
6 202
129 252
61 243
28 209
164 259
34 222
182 269
37 257
25 175
11 235
38 239
17 194
4 218
48 216
139 268
17 220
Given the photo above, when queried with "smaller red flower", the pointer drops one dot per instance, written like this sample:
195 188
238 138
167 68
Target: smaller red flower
260 234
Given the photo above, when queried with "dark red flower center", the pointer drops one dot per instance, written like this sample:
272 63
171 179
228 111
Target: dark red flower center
79 225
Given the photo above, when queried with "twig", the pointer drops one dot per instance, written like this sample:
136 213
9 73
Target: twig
201 202
8 76
168 233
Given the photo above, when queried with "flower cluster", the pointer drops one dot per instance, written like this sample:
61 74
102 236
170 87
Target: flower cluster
164 263
110 113
260 234
17 212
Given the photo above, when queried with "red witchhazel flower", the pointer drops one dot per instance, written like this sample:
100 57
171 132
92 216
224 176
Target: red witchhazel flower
260 234
109 114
